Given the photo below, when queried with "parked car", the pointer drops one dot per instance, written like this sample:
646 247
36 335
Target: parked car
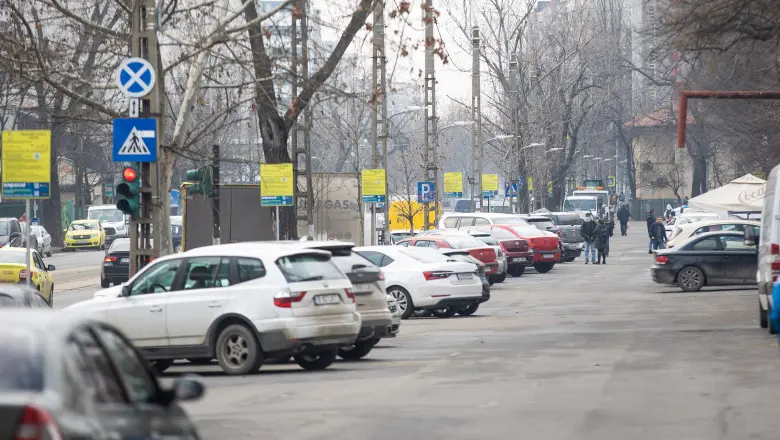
568 223
476 248
684 232
21 296
461 255
10 232
116 264
238 303
392 306
518 254
422 278
545 245
66 378
689 216
368 284
85 234
486 238
13 270
460 220
42 240
768 243
711 259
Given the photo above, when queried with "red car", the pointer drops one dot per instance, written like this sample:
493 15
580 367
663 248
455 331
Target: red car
518 253
476 248
545 245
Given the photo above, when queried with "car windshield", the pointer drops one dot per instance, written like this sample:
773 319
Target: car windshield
12 257
21 365
526 231
579 204
83 226
509 221
464 242
542 224
487 240
106 215
568 220
348 261
308 267
121 245
424 255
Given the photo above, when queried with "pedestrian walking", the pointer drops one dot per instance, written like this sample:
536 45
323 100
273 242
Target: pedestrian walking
658 234
650 221
624 216
586 231
601 241
610 225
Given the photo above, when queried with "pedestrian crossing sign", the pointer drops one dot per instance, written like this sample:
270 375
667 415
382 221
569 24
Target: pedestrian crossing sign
135 140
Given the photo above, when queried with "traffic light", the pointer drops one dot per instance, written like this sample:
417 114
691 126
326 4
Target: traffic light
128 191
202 180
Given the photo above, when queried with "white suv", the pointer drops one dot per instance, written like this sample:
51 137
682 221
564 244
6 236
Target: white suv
238 303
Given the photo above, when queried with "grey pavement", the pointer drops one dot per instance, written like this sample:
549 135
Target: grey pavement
582 352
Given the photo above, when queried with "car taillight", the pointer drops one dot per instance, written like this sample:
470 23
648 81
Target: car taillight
285 298
109 260
23 274
380 276
775 251
350 294
661 259
36 424
430 276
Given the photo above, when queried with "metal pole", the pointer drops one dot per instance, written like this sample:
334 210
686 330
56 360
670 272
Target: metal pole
476 115
513 93
277 223
215 199
307 121
376 56
431 173
27 232
379 34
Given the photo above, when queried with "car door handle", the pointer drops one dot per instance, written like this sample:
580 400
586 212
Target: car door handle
155 309
215 305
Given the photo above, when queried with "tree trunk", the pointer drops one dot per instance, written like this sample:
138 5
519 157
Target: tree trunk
51 209
699 181
274 134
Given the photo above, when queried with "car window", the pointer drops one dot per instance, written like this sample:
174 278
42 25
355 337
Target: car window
12 257
542 224
156 279
250 269
424 255
479 221
732 242
421 243
347 261
207 273
140 385
487 240
308 267
708 244
99 378
38 261
374 257
501 233
509 221
451 222
21 364
568 220
404 243
83 227
464 242
121 245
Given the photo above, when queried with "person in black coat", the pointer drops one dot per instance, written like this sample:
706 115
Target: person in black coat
601 235
623 216
586 231
658 234
650 221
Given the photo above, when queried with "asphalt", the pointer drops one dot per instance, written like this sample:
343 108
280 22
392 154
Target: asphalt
582 352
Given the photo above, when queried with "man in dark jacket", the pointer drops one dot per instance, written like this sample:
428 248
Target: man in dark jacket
658 233
586 230
650 222
601 234
623 216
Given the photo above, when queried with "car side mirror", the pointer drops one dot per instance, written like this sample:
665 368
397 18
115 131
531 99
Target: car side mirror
51 268
125 290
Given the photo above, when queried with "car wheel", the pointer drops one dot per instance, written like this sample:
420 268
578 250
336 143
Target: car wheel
161 365
404 300
501 278
763 320
449 312
491 280
237 350
316 361
199 361
104 282
518 271
468 311
690 279
543 267
357 351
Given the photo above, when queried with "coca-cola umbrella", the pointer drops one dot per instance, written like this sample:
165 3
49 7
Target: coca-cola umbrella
744 194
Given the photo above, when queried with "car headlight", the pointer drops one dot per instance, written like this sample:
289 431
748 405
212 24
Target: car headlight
120 227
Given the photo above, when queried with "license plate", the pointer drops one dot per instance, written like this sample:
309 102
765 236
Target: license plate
321 300
548 255
519 260
363 288
465 276
124 260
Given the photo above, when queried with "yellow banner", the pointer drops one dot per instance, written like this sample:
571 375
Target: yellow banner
490 182
373 186
530 184
26 162
276 184
549 187
453 184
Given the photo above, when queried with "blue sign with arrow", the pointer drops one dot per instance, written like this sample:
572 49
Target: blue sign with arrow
135 140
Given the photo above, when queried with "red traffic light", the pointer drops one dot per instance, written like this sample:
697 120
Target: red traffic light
129 174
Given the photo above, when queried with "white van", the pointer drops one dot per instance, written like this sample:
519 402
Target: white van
458 220
768 247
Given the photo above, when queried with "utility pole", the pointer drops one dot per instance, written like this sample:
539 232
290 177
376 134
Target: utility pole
431 133
215 199
515 139
379 34
304 192
143 44
476 116
379 105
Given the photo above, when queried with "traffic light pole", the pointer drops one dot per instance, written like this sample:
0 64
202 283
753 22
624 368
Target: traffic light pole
143 44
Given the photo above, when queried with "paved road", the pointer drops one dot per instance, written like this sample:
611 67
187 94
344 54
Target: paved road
583 352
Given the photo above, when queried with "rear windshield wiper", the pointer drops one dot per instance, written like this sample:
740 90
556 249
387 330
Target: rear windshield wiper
314 278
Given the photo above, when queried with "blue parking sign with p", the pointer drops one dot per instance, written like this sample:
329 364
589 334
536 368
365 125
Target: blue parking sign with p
425 192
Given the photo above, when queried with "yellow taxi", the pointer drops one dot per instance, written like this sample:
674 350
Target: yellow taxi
13 270
85 234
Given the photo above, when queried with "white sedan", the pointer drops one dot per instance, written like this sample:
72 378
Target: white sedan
424 279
